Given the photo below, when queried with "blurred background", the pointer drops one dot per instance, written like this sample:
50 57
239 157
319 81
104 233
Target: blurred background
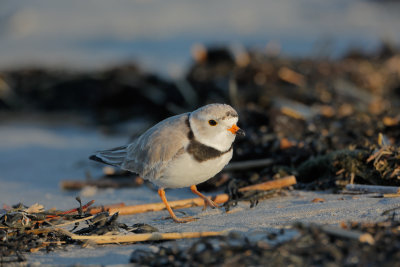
308 78
159 35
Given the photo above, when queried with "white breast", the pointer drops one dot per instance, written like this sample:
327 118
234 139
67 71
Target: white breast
185 171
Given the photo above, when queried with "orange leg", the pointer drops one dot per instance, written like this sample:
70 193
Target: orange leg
161 192
207 201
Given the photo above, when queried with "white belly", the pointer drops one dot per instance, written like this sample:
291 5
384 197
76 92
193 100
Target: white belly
185 171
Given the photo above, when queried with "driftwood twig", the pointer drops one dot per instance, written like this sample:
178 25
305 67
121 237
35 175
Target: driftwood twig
108 239
373 188
344 233
102 183
274 184
349 234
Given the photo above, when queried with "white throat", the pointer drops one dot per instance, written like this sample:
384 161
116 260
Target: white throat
222 142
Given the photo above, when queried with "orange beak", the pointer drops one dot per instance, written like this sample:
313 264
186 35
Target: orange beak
236 130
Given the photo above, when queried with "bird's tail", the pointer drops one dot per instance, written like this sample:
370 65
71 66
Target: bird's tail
114 157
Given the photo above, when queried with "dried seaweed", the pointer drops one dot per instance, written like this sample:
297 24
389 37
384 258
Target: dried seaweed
314 246
29 229
375 165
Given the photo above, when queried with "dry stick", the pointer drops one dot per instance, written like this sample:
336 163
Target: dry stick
373 188
391 195
193 202
107 239
74 221
51 228
45 244
40 231
349 234
84 207
105 183
283 182
107 207
344 233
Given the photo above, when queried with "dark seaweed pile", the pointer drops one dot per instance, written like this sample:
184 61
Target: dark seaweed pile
106 97
312 247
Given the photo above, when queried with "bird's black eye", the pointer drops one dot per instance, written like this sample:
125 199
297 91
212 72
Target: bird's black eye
212 122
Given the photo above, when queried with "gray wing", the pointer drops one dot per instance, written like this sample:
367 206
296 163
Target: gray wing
153 150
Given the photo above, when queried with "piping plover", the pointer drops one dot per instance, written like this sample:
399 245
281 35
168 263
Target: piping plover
180 151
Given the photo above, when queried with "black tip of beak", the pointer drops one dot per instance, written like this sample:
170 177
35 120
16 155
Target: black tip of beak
240 132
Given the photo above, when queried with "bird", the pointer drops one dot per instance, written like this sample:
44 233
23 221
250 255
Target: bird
180 151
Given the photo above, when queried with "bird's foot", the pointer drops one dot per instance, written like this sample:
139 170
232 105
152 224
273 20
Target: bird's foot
184 219
209 202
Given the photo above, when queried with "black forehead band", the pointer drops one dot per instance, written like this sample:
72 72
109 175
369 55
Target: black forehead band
230 114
